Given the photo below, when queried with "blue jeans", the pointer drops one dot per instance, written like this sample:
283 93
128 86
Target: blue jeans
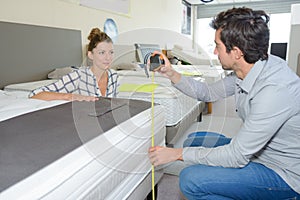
254 181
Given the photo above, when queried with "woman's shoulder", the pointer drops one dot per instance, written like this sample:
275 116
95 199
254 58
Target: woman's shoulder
112 72
84 70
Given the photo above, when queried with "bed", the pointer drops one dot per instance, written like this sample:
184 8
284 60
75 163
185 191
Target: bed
53 158
37 161
180 110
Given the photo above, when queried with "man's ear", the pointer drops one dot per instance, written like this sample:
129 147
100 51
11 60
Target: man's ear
90 55
237 52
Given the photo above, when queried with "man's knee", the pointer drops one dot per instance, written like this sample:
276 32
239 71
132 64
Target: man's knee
197 180
187 180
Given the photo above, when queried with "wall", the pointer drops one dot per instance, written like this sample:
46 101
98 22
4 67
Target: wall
166 14
294 44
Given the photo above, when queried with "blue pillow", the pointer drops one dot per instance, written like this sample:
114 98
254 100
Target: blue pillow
204 133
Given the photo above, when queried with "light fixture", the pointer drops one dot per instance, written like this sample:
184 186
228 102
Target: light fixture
197 2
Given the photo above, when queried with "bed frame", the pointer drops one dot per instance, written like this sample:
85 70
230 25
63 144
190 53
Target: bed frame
30 52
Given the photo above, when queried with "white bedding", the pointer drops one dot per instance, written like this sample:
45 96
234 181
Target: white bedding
110 166
207 73
28 86
15 103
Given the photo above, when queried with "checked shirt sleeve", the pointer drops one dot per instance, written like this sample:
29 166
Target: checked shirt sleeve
67 84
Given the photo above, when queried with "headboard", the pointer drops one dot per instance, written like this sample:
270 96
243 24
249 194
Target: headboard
30 52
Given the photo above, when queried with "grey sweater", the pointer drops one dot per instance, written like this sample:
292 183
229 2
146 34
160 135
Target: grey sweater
268 102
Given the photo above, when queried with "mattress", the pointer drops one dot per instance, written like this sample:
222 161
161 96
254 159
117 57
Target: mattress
111 165
175 104
28 86
208 73
180 110
205 73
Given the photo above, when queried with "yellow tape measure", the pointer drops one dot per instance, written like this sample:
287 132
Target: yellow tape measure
152 136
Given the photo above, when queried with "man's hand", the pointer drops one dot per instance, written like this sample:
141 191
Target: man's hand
167 70
161 155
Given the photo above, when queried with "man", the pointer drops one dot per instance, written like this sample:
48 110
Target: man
263 160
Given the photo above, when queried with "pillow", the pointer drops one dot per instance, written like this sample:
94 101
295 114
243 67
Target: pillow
125 66
60 72
28 86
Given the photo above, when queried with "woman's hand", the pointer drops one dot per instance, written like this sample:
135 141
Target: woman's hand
79 97
49 96
161 155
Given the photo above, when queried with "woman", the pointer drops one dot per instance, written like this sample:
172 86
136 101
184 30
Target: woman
86 83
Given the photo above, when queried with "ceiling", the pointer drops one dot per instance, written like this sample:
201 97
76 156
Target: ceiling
206 10
218 2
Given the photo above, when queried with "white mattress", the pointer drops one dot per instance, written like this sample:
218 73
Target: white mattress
180 110
14 103
28 86
208 73
176 105
111 166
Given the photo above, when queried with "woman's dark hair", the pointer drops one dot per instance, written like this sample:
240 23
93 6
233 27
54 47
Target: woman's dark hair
246 29
96 36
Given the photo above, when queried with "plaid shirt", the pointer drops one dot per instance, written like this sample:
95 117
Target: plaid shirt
81 81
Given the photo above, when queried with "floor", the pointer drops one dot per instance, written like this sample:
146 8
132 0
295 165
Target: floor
223 119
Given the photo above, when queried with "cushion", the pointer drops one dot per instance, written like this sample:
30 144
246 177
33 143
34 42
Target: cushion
60 72
125 66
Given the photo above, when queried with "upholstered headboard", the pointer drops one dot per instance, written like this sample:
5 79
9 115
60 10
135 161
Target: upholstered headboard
298 65
30 52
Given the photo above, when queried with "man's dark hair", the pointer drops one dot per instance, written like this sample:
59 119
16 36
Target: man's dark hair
246 29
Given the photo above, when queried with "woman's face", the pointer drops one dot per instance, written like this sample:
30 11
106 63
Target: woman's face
102 55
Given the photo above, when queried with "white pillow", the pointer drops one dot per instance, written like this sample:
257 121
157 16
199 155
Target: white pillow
125 66
60 72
